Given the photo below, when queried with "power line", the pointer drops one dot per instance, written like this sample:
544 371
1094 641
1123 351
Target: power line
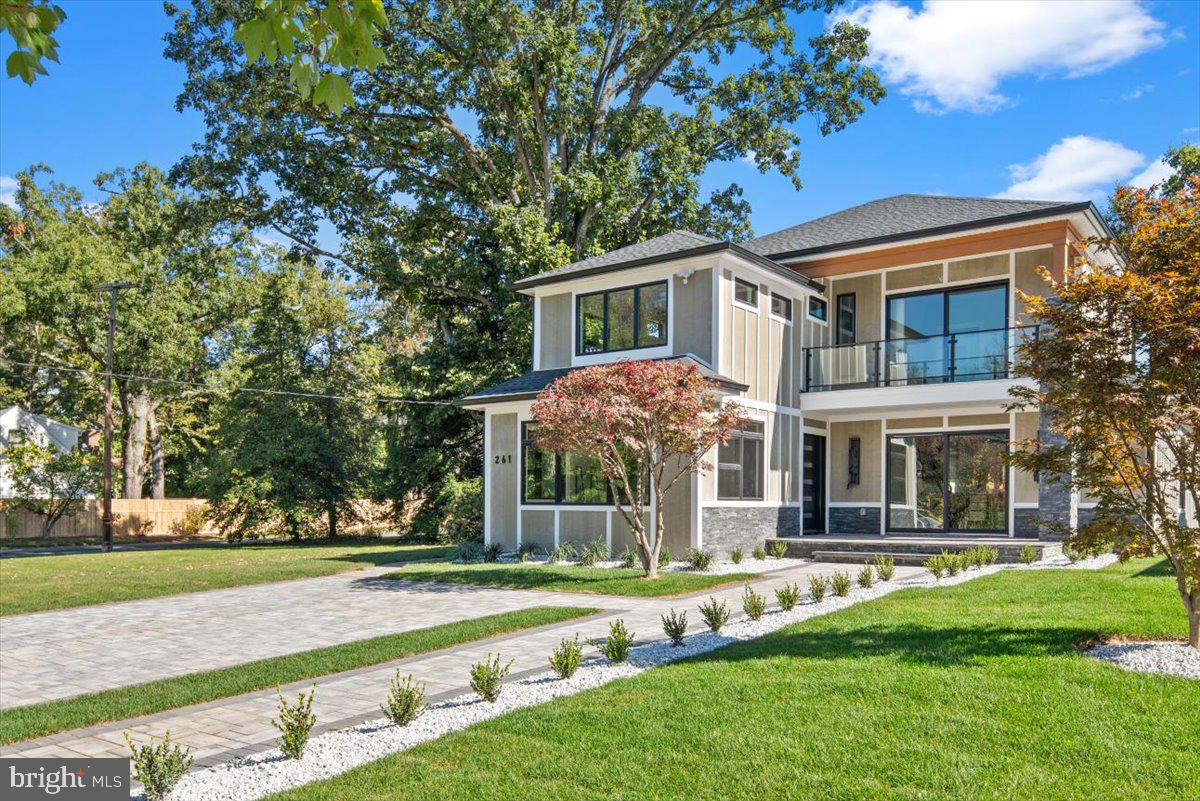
219 388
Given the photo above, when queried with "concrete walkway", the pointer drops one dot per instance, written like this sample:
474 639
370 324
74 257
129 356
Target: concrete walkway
224 729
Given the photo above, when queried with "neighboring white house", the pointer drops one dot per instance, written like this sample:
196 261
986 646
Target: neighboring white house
18 425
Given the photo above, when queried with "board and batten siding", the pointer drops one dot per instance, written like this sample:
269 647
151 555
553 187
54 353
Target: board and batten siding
692 315
502 486
556 320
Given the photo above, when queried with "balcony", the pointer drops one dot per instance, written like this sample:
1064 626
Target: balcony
912 361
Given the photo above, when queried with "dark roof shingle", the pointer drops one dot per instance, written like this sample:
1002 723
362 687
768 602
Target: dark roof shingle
665 245
899 217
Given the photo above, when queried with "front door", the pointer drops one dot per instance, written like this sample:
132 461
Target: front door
814 484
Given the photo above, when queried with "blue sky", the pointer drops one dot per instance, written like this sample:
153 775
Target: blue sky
1057 99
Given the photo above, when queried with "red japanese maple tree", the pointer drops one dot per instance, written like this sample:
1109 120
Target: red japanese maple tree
648 422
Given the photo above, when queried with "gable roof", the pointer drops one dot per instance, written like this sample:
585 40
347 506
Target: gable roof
902 217
526 387
671 246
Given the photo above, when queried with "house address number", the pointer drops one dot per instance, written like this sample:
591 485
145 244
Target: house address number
502 458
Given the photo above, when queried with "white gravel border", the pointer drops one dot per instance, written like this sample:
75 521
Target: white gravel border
1153 656
748 565
336 752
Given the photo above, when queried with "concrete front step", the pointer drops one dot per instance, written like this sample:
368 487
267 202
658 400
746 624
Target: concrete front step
906 551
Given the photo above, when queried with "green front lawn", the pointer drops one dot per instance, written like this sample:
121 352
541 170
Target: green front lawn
975 691
567 578
37 583
38 720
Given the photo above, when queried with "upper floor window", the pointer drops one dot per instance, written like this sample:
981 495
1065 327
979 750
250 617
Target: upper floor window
818 309
622 319
781 306
745 292
847 326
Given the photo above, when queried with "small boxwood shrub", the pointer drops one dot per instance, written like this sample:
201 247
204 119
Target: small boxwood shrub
753 603
675 626
885 567
787 596
487 677
817 585
295 722
715 614
936 565
989 554
567 657
778 549
866 577
735 555
615 647
1029 554
405 700
840 582
760 553
159 767
699 559
952 561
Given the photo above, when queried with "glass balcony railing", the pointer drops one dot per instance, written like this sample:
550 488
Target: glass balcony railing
965 356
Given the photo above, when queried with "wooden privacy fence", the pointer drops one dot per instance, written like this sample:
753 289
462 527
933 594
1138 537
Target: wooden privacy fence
150 518
146 517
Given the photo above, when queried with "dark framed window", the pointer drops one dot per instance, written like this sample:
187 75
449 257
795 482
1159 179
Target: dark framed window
740 464
567 478
847 319
957 334
818 309
745 292
781 306
950 481
621 319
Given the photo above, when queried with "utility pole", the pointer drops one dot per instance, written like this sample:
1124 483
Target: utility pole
113 290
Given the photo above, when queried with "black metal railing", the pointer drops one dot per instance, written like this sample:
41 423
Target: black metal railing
963 356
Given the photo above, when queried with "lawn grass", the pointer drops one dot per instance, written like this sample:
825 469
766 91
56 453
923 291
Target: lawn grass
567 578
38 583
38 720
974 691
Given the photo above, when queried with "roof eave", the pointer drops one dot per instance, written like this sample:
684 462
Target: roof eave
1053 211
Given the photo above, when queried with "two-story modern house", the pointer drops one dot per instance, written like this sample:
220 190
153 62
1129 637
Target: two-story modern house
871 347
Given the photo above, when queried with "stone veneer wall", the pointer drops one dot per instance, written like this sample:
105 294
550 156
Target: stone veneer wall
1025 523
726 527
1056 501
854 519
1086 514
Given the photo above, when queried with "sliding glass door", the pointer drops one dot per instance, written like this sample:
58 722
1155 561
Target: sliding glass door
948 482
951 335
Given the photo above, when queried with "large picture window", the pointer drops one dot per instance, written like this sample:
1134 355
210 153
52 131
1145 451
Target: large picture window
953 335
740 464
568 478
621 319
948 482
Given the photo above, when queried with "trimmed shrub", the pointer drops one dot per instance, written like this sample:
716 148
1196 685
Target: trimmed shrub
989 554
778 549
567 657
715 614
735 555
191 523
885 567
787 596
487 677
952 561
1072 554
615 647
295 723
592 553
753 603
159 767
936 565
405 700
866 577
675 626
840 582
699 559
629 558
817 585
664 557
527 552
1029 554
493 552
760 553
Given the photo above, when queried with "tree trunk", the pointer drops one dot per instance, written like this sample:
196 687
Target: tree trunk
158 466
332 513
134 458
1193 612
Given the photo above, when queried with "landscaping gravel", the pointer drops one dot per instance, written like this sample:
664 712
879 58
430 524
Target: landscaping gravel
336 752
1156 656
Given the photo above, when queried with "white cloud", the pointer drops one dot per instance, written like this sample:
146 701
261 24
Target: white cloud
954 55
1075 168
1138 92
1156 173
8 190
